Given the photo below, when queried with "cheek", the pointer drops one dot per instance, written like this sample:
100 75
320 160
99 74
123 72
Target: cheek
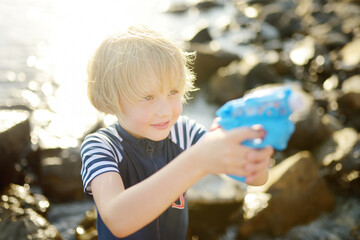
177 108
136 116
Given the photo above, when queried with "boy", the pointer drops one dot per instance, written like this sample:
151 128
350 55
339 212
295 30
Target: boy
139 168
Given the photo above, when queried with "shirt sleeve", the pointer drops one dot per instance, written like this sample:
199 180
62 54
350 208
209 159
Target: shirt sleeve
98 156
186 132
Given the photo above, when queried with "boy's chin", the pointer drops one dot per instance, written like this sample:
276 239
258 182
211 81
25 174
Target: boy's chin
159 137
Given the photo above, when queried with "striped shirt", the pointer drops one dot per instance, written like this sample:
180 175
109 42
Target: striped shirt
112 149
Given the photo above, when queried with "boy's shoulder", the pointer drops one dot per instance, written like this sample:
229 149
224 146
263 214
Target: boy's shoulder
104 135
186 132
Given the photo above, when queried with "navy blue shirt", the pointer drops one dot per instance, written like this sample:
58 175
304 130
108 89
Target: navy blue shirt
112 149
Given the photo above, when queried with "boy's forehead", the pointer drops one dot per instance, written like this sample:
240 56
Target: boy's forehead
156 85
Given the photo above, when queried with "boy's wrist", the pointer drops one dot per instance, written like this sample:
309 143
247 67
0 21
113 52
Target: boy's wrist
195 161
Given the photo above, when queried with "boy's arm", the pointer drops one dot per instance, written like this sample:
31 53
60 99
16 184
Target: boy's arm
126 211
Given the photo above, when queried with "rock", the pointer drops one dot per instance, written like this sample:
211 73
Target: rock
350 55
20 217
281 15
214 202
209 60
261 74
349 103
352 84
331 123
201 36
15 144
174 7
326 36
309 127
227 84
87 227
60 174
339 158
303 51
23 198
269 32
204 5
342 223
234 80
295 194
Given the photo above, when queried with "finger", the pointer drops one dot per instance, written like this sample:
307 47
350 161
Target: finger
238 171
215 124
259 154
257 166
244 133
251 177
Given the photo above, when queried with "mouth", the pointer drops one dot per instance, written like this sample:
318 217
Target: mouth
161 125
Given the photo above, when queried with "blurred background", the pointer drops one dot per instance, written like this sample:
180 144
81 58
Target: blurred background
312 45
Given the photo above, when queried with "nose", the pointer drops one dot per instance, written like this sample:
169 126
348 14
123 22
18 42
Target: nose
164 108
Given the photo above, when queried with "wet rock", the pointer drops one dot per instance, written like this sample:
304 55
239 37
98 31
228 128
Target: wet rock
14 145
339 158
350 55
227 84
269 32
349 103
234 80
325 35
20 217
67 216
303 51
207 4
23 198
60 174
214 202
209 60
87 227
342 223
201 36
281 15
261 74
295 194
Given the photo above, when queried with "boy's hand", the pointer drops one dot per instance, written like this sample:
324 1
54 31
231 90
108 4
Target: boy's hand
225 154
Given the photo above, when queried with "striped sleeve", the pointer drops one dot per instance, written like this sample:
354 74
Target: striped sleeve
186 132
100 153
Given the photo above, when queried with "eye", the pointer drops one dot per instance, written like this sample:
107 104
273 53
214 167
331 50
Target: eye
148 98
173 92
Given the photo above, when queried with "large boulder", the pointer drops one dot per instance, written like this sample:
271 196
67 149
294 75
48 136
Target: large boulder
214 202
226 84
14 145
295 194
209 60
60 174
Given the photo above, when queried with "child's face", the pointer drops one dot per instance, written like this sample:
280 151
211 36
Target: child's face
153 116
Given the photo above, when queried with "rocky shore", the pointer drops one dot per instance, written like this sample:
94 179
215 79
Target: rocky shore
314 186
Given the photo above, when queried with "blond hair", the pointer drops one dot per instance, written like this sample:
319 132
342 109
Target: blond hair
125 64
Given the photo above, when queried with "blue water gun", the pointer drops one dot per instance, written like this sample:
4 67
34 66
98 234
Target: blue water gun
271 108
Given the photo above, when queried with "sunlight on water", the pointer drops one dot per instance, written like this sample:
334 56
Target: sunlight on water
78 29
9 118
